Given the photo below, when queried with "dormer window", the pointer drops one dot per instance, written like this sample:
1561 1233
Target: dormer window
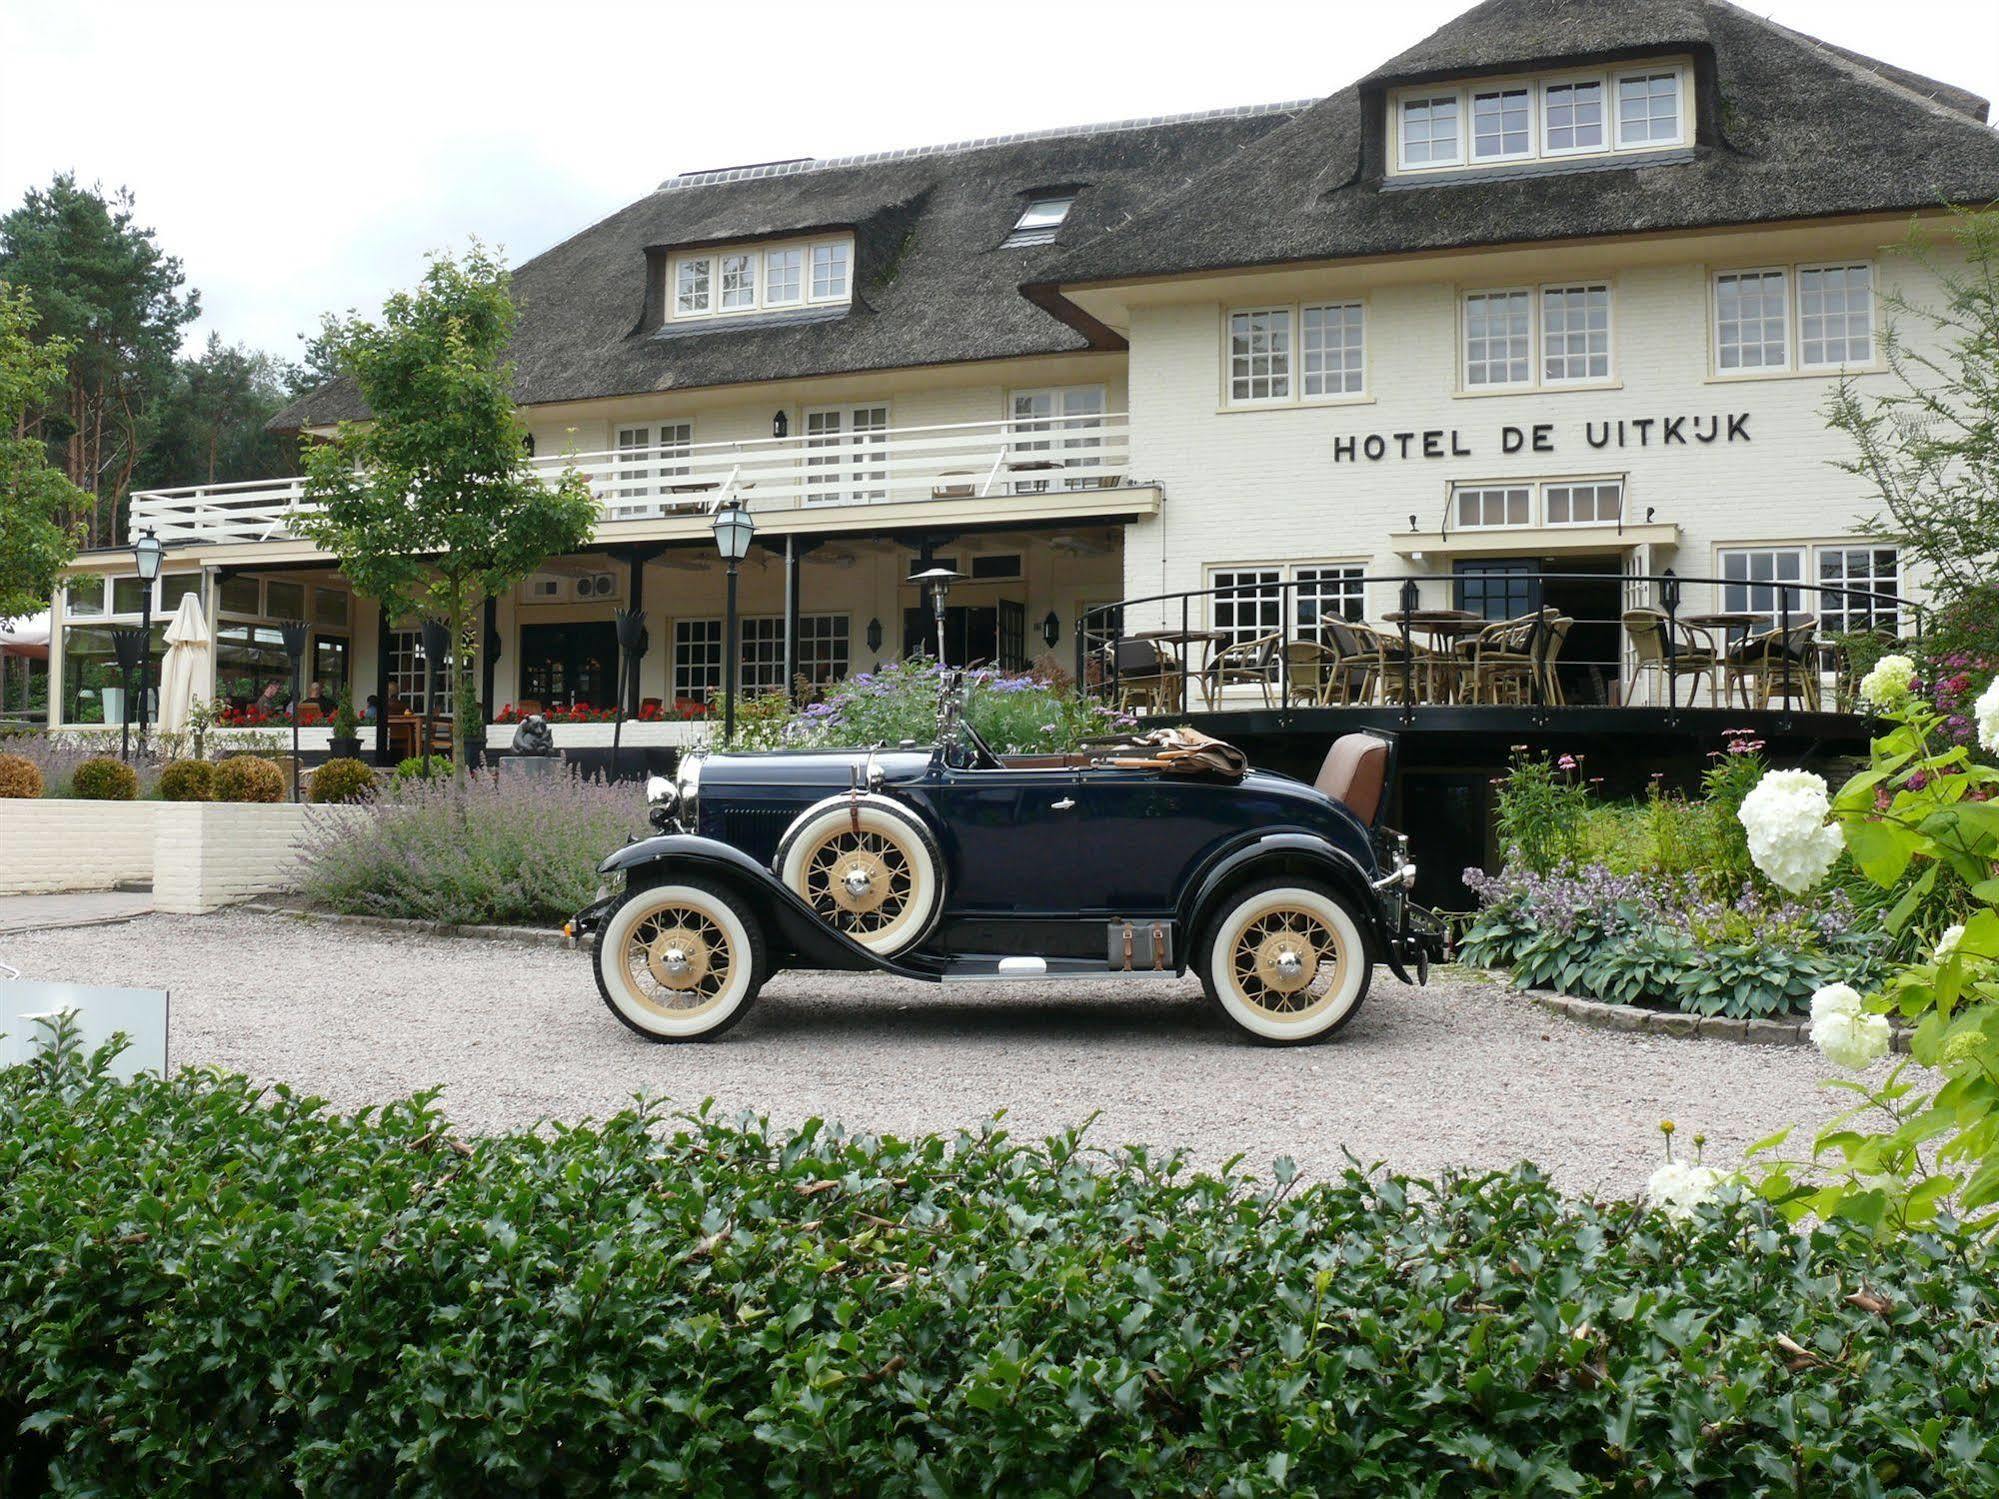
748 279
1039 221
1579 113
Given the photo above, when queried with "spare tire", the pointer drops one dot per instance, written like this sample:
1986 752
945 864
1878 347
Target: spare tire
869 867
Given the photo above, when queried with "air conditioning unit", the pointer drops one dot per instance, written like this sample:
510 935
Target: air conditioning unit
596 586
542 588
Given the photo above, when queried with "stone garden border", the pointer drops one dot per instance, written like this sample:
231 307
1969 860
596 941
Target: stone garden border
528 934
1605 1016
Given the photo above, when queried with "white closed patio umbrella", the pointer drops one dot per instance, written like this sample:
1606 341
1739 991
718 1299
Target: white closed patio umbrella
186 666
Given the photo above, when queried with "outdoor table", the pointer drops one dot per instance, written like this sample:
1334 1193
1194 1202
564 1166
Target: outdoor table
1207 640
1445 627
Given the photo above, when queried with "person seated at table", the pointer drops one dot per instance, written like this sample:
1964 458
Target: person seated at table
372 709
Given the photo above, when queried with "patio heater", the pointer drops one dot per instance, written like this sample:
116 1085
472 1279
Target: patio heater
125 644
147 552
631 650
734 527
436 643
938 580
293 631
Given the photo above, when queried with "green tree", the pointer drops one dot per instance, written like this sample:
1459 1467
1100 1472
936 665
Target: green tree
431 505
102 284
36 502
208 426
1930 446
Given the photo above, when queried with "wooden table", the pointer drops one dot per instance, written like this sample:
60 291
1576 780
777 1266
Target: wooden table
1207 640
1445 627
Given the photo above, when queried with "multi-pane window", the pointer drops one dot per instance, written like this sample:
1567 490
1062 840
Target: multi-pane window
690 287
1594 504
1260 355
647 455
1430 130
846 455
1875 576
1648 108
406 674
1753 583
762 654
1499 125
823 650
749 280
829 271
1328 592
1248 603
1750 320
1835 314
1039 221
1572 117
1575 333
1498 338
739 282
784 277
1051 429
1486 506
1330 341
697 659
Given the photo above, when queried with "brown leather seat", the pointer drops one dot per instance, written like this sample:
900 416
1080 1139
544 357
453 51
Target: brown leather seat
1356 773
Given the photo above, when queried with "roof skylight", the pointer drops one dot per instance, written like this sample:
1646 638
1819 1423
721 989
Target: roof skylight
1039 221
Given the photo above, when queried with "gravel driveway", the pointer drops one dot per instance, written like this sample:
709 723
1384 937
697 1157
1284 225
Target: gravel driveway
1460 1073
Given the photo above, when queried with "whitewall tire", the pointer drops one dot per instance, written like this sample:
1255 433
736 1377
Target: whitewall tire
1286 963
872 871
680 962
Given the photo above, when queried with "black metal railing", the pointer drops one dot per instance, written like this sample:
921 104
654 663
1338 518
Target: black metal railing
1491 636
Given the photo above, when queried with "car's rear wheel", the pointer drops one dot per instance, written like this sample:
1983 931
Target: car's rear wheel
680 962
1286 963
870 869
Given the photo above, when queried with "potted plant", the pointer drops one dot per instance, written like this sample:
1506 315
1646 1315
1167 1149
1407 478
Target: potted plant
475 739
346 742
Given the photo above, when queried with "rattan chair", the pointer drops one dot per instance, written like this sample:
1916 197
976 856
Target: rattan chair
1389 661
1499 661
1352 678
1147 676
1693 655
1244 662
1777 663
1309 672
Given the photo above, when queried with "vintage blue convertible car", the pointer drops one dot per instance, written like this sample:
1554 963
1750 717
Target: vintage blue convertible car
954 863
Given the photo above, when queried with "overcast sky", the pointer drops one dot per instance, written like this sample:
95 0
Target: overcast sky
302 158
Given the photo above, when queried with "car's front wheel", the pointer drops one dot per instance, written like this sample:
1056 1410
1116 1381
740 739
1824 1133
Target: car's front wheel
1286 963
680 962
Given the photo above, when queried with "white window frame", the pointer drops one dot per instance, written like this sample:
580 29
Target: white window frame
1617 82
1286 323
759 300
1597 518
1293 326
1899 580
1797 311
1353 571
1071 432
1530 487
679 687
1526 153
1541 375
1268 607
1789 291
1537 85
1801 551
1053 210
747 267
856 471
1487 293
1303 373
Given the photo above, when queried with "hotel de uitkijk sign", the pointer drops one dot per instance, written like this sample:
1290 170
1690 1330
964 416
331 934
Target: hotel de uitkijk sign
1539 437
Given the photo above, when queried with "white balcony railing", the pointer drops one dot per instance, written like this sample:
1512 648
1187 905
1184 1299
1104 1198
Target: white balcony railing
855 466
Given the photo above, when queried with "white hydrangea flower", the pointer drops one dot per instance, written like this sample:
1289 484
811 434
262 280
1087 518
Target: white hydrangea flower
1888 683
1836 999
1850 1040
1677 1188
1789 838
1947 943
1987 714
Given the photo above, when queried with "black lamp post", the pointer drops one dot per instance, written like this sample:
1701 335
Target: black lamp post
938 580
125 643
436 644
631 650
734 527
293 631
148 552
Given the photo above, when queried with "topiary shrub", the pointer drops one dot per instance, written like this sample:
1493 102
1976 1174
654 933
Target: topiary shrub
248 778
104 780
342 780
188 781
20 779
412 769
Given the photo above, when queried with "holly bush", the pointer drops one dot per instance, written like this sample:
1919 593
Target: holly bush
207 1286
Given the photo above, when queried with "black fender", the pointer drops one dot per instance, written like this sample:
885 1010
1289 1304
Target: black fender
1297 854
792 927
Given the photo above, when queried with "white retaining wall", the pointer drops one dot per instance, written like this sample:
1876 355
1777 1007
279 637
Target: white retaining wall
53 844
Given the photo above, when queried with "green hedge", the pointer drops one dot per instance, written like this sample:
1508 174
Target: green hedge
205 1288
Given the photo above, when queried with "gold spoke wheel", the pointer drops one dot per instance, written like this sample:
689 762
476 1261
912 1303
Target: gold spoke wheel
678 960
861 882
1285 961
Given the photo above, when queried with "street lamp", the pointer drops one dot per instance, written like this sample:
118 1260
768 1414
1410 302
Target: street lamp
148 551
734 527
436 643
293 631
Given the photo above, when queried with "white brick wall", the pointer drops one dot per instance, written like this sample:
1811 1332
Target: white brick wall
55 844
211 854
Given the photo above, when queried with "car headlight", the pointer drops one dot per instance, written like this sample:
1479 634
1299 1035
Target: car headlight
662 801
688 789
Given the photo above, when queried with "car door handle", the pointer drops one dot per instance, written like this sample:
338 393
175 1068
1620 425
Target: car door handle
1063 805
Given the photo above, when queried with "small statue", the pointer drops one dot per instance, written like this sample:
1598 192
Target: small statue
533 737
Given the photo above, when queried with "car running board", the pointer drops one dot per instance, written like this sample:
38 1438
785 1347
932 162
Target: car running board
984 969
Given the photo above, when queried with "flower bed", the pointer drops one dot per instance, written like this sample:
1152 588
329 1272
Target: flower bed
207 1285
